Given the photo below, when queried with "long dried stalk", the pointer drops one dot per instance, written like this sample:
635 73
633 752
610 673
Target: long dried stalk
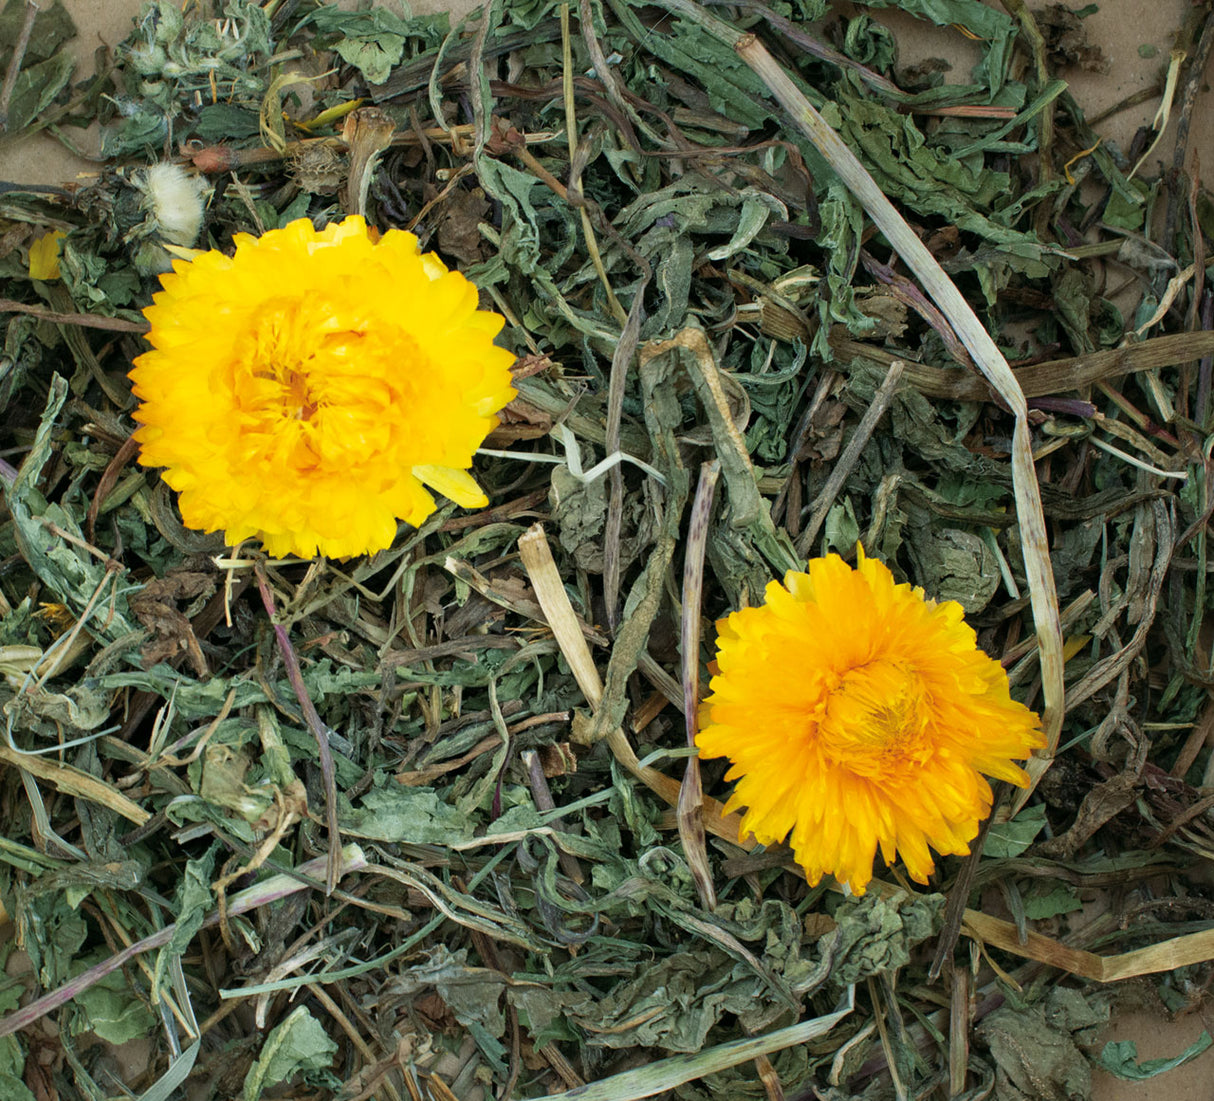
319 731
691 792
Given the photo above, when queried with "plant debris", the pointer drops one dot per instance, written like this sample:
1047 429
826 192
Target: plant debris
426 823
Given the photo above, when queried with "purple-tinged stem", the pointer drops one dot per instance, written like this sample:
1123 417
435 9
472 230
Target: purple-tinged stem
1072 407
318 728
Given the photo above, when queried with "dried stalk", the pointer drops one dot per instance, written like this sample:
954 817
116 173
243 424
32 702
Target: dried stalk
1056 376
319 731
88 320
851 455
691 793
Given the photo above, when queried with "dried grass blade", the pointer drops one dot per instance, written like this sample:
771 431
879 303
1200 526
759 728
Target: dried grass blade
959 1030
74 782
665 1074
621 359
1152 960
691 793
537 560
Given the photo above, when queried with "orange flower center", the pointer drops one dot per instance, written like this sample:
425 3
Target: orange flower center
876 719
297 402
279 362
301 390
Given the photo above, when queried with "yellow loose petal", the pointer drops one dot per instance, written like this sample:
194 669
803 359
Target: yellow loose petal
44 255
458 485
302 390
860 715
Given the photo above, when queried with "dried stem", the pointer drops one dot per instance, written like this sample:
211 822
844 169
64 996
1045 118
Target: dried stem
87 320
318 728
691 793
851 454
592 244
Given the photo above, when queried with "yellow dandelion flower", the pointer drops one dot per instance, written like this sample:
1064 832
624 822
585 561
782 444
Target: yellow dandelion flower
309 388
857 713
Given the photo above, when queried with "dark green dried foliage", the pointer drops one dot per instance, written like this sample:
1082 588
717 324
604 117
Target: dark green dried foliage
499 940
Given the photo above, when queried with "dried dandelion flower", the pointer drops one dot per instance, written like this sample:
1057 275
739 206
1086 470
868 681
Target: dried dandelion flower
857 713
307 389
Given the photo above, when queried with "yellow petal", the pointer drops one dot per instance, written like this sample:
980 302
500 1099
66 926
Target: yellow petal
44 255
183 253
457 485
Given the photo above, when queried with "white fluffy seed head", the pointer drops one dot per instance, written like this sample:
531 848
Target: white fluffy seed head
177 200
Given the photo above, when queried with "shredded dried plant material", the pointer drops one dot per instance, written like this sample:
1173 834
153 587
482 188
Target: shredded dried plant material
545 339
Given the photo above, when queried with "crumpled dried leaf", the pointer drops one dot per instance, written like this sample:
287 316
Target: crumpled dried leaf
298 1045
1036 1048
876 934
398 812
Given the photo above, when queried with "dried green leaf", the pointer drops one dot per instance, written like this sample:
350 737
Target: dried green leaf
876 934
995 29
111 1010
952 564
1060 900
193 901
36 88
1120 1059
473 994
12 1069
1006 839
412 815
52 28
295 1046
373 57
1035 1048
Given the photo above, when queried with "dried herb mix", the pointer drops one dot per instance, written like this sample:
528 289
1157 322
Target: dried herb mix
425 822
